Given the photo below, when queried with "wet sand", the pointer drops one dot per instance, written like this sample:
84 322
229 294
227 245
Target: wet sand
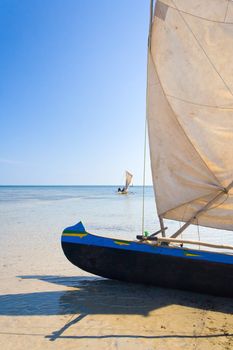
46 303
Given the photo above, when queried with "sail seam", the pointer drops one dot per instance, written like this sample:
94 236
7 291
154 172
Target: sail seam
199 44
181 127
199 104
200 17
226 10
190 202
202 197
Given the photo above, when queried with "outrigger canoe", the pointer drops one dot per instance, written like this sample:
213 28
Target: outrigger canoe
158 265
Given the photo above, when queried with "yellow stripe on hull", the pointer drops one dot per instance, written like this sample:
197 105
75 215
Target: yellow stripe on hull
121 243
189 254
80 235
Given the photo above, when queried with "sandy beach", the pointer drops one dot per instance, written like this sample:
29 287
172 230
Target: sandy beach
84 312
46 303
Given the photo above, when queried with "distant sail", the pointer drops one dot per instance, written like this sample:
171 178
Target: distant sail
128 179
190 109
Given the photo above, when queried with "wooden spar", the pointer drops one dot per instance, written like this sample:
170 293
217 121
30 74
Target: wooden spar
157 232
144 238
145 131
150 23
201 211
212 245
162 226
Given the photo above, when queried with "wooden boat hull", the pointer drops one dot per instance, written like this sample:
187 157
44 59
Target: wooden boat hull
194 270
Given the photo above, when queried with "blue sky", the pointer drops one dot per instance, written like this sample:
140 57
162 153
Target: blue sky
72 91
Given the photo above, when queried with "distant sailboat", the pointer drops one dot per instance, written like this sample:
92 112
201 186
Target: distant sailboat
128 180
190 122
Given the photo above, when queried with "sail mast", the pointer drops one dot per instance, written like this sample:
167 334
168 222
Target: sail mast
150 26
146 119
147 111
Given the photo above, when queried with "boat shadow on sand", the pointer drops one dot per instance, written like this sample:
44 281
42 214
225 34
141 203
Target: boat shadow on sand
92 296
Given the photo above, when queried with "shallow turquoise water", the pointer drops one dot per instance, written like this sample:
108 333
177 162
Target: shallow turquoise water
36 215
32 219
99 207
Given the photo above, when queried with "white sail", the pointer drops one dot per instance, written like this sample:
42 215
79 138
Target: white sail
128 179
190 109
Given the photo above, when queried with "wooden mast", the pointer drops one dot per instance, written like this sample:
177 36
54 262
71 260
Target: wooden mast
149 48
146 119
162 226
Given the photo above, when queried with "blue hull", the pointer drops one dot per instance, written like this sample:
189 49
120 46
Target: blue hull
187 269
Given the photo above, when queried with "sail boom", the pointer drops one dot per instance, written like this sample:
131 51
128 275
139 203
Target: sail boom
201 211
